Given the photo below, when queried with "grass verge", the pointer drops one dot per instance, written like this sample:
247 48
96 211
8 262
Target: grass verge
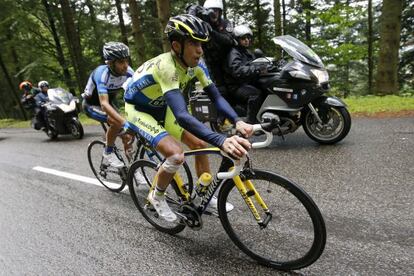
367 106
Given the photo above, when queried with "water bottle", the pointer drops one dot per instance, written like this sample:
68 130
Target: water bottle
203 182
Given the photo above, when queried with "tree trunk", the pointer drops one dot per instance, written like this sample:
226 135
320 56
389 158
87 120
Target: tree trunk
347 65
163 9
14 53
370 43
137 31
74 44
390 30
124 33
278 26
278 17
258 23
283 17
224 9
307 7
96 29
12 87
59 51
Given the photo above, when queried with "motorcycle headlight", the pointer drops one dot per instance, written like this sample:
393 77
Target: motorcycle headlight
321 75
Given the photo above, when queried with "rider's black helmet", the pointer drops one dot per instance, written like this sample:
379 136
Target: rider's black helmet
115 50
187 26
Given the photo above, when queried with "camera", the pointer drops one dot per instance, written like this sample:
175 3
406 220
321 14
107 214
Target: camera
204 14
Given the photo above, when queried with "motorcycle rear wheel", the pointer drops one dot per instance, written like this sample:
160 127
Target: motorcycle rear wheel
336 123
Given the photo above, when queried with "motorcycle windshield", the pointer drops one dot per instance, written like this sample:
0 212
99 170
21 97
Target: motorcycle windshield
59 96
298 50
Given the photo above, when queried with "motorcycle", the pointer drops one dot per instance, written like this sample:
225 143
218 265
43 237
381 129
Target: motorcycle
295 91
61 114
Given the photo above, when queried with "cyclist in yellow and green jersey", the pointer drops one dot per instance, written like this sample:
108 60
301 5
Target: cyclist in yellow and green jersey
157 110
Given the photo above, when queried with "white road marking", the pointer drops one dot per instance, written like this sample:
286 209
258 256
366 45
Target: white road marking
81 178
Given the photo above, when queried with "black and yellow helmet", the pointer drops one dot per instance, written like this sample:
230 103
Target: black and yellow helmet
187 26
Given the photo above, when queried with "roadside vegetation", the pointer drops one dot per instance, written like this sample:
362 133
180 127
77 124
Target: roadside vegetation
367 106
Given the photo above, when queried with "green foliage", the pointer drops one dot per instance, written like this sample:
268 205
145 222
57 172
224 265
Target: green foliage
375 104
339 37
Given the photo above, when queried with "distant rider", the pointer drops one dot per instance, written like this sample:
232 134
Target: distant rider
27 99
41 99
99 97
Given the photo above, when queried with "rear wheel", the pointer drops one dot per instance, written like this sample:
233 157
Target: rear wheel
293 234
139 192
113 179
336 123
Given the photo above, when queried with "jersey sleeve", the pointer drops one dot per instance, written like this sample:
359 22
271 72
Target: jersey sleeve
101 78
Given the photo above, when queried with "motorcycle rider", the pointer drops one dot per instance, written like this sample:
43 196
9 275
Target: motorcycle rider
99 97
41 100
241 74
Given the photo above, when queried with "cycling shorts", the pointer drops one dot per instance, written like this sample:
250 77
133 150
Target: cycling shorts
95 111
149 128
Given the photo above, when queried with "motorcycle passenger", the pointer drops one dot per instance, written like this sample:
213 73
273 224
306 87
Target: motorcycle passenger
99 97
220 43
156 107
41 99
27 99
241 74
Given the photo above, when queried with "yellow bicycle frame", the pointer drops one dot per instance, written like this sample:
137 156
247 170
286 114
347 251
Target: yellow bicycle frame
246 187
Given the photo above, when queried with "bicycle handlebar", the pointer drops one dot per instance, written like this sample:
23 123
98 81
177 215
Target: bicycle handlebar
238 164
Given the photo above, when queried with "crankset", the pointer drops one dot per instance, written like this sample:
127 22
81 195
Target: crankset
190 217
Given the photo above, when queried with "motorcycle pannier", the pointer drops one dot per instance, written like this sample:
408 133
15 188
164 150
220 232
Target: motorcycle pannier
202 108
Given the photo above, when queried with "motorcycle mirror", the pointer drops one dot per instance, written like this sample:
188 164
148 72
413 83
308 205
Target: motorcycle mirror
258 53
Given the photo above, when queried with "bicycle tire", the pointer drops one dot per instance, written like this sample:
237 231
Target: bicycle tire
293 222
183 171
139 193
110 178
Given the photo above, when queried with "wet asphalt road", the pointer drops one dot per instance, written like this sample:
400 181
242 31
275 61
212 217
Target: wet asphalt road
51 225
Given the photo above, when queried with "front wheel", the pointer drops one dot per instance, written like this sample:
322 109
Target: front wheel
292 233
336 123
76 129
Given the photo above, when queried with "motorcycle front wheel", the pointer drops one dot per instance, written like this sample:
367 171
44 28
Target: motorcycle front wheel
336 123
76 129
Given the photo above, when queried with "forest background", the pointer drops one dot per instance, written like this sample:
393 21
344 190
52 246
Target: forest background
367 45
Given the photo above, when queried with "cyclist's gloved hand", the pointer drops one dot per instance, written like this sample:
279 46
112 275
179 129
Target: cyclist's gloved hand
236 146
244 129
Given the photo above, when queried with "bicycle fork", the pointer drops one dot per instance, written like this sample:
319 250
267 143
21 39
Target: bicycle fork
247 190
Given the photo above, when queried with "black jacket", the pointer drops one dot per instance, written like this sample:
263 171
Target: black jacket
238 68
216 50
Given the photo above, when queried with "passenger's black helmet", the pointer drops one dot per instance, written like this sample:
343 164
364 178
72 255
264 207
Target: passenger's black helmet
187 26
115 50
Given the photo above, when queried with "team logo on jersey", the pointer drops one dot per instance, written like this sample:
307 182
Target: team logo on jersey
160 101
174 78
